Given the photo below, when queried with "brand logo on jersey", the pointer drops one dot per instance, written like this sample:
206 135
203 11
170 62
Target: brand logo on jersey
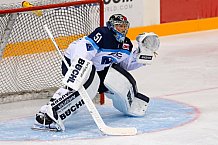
89 47
126 46
72 109
107 60
117 55
76 70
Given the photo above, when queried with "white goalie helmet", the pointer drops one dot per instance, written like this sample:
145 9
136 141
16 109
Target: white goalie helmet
148 41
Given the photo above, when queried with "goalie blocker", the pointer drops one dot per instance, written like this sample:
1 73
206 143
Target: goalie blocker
66 102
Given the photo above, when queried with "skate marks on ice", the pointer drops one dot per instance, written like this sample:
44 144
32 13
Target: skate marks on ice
162 114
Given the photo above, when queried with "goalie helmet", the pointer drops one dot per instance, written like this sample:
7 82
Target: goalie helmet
112 24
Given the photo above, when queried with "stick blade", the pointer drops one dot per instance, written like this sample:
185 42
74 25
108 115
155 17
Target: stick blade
119 131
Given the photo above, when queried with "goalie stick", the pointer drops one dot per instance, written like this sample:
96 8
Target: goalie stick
90 106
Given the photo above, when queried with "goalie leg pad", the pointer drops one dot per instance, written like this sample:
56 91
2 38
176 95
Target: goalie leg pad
124 93
65 103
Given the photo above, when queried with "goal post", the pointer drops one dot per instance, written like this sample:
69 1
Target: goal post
30 67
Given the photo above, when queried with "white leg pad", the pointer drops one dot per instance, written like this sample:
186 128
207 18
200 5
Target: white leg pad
123 92
65 103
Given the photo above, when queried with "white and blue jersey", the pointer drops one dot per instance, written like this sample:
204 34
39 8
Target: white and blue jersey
102 48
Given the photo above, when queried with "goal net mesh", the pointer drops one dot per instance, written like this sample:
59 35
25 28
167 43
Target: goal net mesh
29 61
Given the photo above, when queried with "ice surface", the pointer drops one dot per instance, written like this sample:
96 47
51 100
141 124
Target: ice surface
162 114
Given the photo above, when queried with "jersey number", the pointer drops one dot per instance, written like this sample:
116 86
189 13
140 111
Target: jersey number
97 37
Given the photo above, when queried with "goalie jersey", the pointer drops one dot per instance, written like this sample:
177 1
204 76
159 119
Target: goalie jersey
102 48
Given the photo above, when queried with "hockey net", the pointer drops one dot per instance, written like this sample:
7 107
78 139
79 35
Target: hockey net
30 67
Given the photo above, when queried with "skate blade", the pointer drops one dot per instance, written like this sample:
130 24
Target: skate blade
43 128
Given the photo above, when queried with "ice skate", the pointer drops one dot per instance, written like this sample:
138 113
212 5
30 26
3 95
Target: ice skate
44 123
43 118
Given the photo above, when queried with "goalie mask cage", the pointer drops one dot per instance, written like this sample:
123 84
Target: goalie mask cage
30 66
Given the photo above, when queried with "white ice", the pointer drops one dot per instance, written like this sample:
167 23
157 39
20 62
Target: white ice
186 70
